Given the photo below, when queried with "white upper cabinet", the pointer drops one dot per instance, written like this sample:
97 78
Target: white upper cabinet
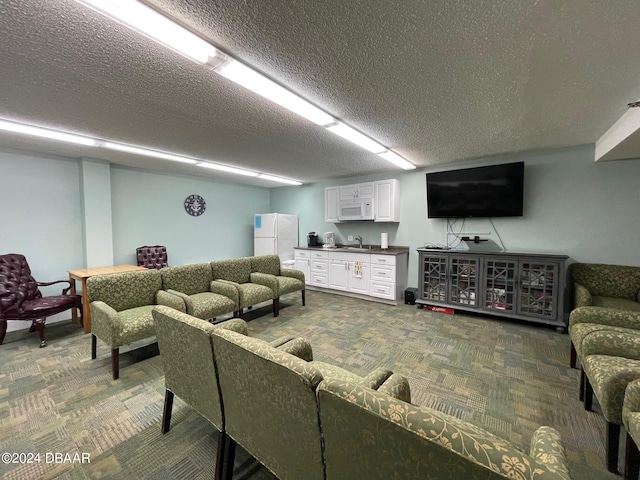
356 191
331 204
387 205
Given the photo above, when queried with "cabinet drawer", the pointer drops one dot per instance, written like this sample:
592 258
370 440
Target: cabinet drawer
302 254
319 266
319 254
319 279
383 259
382 289
383 272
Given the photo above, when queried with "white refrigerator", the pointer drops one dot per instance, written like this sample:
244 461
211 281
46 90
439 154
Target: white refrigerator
275 233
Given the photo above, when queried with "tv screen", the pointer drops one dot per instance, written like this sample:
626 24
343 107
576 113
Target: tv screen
492 191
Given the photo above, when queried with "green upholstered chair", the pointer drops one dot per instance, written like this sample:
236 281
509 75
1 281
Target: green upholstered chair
270 403
192 289
369 434
121 305
186 351
288 280
252 288
631 422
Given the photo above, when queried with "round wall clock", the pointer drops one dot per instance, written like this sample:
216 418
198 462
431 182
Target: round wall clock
195 205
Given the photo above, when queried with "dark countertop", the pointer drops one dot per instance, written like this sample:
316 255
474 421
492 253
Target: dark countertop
392 250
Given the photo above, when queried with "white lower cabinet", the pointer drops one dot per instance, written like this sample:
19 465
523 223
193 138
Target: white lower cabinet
372 275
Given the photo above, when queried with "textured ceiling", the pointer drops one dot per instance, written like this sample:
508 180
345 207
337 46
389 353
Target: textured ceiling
436 81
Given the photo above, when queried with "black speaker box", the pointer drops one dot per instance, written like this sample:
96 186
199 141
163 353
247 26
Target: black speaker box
410 296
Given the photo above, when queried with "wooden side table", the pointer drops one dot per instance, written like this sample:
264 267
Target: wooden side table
82 274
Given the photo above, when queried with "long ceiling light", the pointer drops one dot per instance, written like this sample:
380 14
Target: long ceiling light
396 159
356 137
279 179
121 147
225 168
47 133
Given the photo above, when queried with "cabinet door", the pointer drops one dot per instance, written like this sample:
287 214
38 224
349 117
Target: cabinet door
358 277
302 264
539 289
331 204
433 277
387 204
499 282
338 274
348 192
463 281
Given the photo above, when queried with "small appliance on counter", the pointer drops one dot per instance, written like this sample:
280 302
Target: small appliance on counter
312 240
329 240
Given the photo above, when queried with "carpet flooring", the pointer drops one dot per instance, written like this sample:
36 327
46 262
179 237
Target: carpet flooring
506 376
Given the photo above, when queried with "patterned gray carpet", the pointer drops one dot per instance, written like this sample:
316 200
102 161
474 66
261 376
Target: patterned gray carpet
505 376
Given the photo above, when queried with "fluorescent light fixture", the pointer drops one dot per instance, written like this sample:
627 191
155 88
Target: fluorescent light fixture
396 159
147 152
156 26
250 79
46 133
356 137
279 179
225 168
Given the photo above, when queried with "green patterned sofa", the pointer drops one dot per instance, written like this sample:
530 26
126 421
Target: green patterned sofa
121 305
252 288
192 289
368 434
288 280
186 352
631 421
603 294
270 402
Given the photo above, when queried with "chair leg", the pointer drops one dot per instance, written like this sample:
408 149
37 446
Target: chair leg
38 326
276 306
115 367
166 413
3 330
573 355
227 456
81 317
588 394
613 442
631 460
303 297
94 346
582 385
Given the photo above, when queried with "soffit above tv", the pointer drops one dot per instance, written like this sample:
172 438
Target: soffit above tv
622 140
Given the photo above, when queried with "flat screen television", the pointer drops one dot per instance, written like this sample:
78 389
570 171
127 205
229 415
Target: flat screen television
491 191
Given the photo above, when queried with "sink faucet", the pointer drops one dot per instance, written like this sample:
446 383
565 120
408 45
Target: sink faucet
359 239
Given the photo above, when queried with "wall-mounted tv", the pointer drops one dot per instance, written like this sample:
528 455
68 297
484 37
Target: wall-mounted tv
491 191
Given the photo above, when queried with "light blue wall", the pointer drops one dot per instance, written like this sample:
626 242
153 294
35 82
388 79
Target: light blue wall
573 206
148 210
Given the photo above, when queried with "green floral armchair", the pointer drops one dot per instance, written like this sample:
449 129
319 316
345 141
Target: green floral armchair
631 420
270 402
187 355
191 289
121 306
369 434
288 280
602 295
252 288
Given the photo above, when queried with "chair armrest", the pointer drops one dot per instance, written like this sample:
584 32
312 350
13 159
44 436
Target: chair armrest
376 378
64 290
105 323
398 387
267 280
185 298
298 347
581 296
605 316
235 325
172 300
291 272
631 399
226 288
609 342
547 448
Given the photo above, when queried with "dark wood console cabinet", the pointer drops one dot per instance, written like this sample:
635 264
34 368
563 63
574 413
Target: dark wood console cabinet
517 285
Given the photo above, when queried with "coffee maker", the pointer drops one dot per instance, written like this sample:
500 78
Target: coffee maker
312 240
329 240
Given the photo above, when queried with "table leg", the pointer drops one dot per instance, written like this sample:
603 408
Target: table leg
86 311
74 311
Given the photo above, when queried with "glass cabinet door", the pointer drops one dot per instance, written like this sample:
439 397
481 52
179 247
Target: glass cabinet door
500 284
539 283
434 278
463 286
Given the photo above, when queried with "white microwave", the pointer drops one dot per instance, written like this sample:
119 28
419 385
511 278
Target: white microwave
355 209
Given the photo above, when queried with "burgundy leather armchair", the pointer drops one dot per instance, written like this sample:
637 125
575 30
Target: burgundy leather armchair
21 299
152 256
